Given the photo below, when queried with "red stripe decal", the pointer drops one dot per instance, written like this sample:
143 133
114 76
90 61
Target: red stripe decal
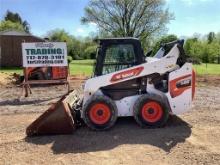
193 83
179 85
126 74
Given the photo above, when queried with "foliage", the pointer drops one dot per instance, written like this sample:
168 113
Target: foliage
211 37
123 18
206 50
213 51
165 39
16 18
60 35
77 49
69 59
9 25
195 49
90 52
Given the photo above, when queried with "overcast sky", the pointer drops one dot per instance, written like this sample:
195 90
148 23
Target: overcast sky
191 16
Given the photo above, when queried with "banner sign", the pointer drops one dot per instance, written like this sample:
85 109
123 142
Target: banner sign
42 54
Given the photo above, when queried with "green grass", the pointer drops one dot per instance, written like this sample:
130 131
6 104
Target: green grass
86 67
85 62
17 70
211 69
81 69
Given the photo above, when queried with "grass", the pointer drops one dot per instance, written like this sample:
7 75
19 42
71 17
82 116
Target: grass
85 62
17 70
213 69
86 67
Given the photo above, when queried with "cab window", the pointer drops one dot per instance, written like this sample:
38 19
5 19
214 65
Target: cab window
118 57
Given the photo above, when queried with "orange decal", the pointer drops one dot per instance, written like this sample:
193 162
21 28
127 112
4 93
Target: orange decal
179 85
126 74
193 83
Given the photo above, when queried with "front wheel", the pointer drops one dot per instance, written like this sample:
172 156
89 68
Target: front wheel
150 112
100 113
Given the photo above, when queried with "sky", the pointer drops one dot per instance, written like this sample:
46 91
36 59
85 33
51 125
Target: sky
191 16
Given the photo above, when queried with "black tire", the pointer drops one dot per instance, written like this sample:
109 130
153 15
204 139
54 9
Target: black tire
100 100
148 99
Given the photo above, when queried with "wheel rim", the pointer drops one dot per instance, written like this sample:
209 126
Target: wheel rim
100 113
151 112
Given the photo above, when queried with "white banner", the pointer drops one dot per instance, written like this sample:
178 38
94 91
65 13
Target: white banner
41 54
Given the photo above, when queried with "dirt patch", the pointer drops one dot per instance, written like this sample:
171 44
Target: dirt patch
208 79
6 78
192 138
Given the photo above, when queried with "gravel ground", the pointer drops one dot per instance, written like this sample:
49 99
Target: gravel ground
192 138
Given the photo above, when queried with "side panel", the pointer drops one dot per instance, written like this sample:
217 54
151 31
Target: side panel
180 88
125 105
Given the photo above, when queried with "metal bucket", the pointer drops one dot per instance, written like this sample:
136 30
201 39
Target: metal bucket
58 119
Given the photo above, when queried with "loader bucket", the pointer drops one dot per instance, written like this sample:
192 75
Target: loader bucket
58 119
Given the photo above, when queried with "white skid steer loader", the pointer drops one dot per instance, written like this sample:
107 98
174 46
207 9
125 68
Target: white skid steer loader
125 83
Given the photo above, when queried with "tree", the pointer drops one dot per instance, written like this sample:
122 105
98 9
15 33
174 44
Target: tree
77 49
60 35
196 49
213 51
8 25
218 37
189 44
211 37
16 18
165 39
90 52
133 18
199 51
205 49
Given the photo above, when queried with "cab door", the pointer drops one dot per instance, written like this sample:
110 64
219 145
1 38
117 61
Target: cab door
118 54
118 57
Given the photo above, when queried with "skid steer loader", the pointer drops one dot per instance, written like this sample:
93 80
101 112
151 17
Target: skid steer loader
125 83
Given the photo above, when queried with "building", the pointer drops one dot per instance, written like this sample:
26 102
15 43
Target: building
10 47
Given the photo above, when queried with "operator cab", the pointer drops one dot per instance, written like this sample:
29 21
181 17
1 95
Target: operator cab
115 54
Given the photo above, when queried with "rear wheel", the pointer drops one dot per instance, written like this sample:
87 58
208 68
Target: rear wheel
150 112
100 113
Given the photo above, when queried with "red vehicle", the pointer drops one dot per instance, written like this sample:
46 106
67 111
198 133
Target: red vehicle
47 73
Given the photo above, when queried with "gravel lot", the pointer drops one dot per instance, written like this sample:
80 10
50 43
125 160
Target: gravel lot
192 138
